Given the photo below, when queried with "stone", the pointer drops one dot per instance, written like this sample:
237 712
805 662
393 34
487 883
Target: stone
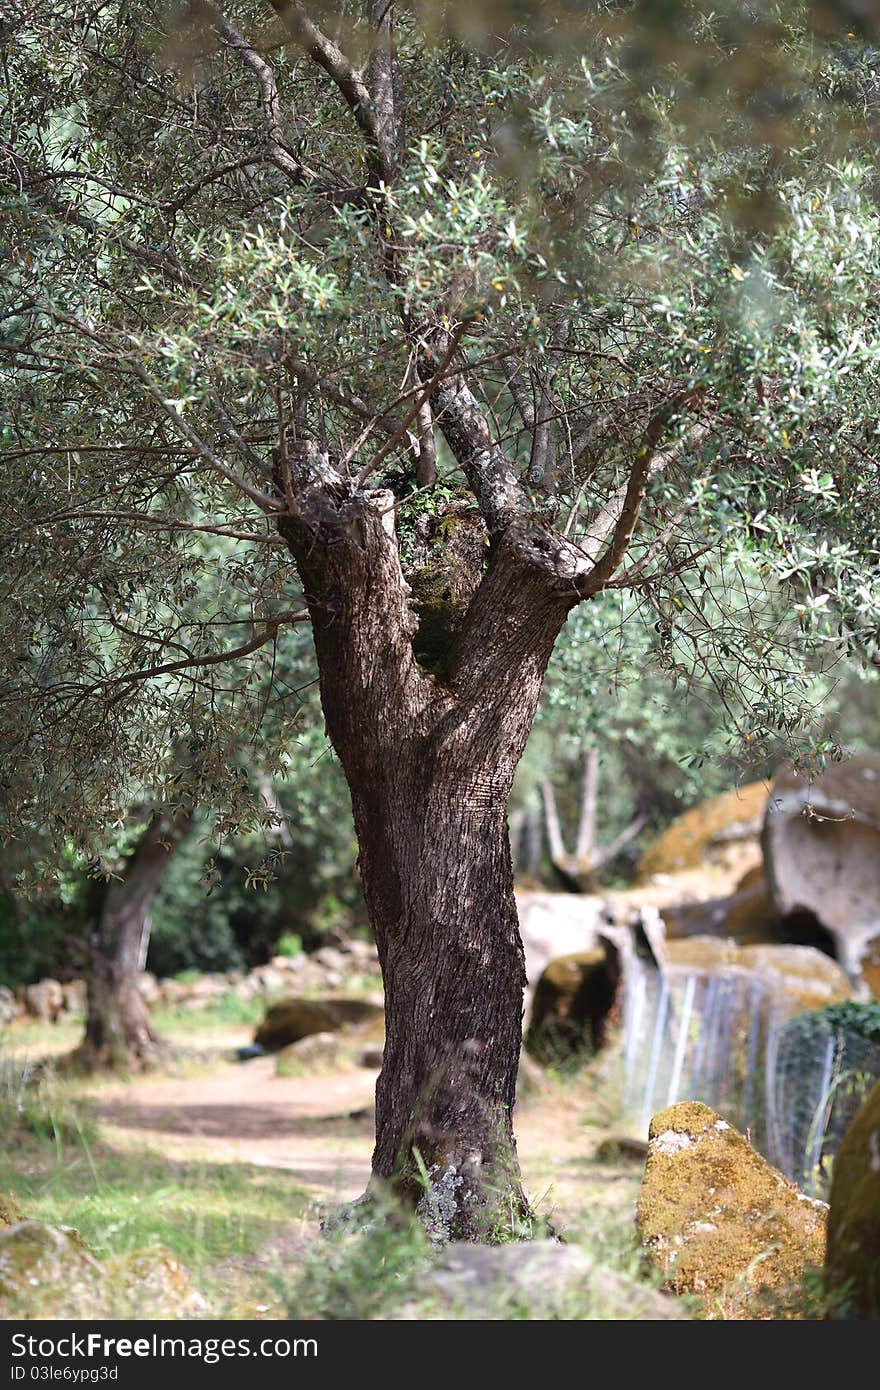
9 1005
821 840
49 1272
371 1056
714 1215
74 992
801 977
10 1211
40 1264
556 924
870 966
853 1255
149 988
533 1279
294 1018
154 1285
315 1053
722 830
746 916
329 958
572 1003
44 1000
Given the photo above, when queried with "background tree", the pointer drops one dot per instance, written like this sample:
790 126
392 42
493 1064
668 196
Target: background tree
457 334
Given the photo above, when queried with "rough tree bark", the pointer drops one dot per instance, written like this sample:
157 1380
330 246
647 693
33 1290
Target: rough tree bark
118 1033
429 765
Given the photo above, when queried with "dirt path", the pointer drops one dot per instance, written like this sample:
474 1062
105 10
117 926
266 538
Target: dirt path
320 1128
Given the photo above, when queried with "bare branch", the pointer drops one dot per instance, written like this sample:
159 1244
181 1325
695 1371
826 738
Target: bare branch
350 83
605 855
539 470
585 847
490 477
265 75
558 852
421 400
619 516
426 467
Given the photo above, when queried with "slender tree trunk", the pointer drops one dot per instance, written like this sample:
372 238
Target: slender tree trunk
118 1032
430 765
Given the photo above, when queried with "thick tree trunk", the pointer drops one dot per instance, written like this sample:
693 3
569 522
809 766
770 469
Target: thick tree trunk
430 766
437 876
118 1034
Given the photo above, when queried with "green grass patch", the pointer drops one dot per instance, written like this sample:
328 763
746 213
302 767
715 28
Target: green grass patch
229 1011
203 1212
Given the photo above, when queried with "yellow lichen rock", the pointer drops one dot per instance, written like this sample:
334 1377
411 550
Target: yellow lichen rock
716 1217
802 978
853 1262
708 833
10 1211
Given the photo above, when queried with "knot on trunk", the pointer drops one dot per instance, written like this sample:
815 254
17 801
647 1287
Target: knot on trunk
448 558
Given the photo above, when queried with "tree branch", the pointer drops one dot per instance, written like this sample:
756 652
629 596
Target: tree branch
327 55
265 75
421 400
558 852
618 518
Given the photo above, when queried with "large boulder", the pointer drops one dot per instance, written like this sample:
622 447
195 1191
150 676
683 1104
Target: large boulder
714 1216
534 1279
800 977
556 924
44 1000
722 831
821 842
292 1019
573 1001
42 1264
316 1053
853 1258
10 1007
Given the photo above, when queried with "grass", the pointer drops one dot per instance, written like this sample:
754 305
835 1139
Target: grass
215 1218
219 1219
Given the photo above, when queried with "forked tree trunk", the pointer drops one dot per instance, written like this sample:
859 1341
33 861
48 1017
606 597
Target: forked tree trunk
430 764
118 1034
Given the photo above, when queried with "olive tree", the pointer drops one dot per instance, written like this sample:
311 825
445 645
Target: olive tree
435 334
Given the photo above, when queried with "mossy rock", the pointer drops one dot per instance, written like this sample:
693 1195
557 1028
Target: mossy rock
46 1267
713 1214
50 1272
702 832
853 1260
572 1003
292 1019
152 1282
10 1212
314 1054
803 978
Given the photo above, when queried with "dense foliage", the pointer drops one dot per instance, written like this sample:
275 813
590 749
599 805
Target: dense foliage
633 230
